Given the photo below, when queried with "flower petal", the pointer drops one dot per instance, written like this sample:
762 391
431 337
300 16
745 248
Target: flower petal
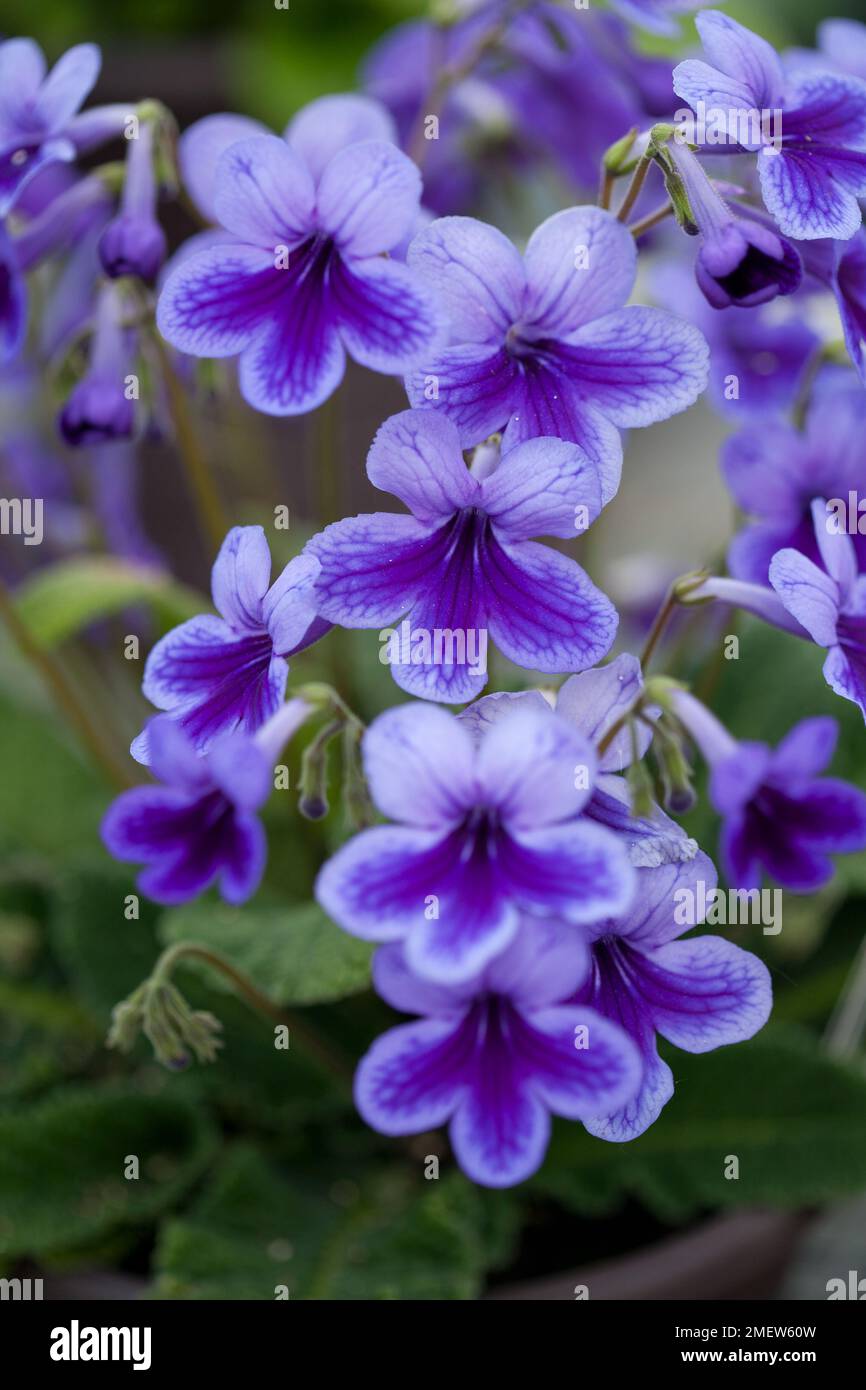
579 871
290 605
705 992
240 577
594 700
477 276
387 317
296 362
373 567
376 886
213 302
575 1081
544 487
808 594
812 194
416 456
420 765
413 1077
499 1132
534 768
199 151
580 264
543 611
327 125
264 193
368 198
70 80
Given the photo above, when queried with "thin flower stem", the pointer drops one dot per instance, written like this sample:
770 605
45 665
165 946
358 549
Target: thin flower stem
637 182
64 693
660 622
211 513
651 220
847 1023
605 188
315 1046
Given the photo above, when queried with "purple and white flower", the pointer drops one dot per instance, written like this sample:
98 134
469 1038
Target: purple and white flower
201 826
214 675
813 171
484 831
740 261
775 471
464 562
303 276
699 994
781 816
37 110
496 1057
543 344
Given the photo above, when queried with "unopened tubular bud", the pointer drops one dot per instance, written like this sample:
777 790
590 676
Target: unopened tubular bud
313 801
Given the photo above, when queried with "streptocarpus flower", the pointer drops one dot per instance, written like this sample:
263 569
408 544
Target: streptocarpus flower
591 702
811 173
829 602
699 994
841 267
740 261
303 277
134 243
100 409
484 831
36 110
217 674
201 824
657 16
543 345
495 1057
774 471
463 563
781 817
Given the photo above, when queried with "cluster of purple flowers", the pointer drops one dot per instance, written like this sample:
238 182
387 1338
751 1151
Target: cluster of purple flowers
524 896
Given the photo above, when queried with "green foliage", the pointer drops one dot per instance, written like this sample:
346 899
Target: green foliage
62 1165
374 1236
794 1118
296 955
58 602
50 801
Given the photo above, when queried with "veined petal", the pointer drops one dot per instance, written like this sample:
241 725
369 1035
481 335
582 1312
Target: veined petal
813 194
368 197
290 604
387 317
500 1131
377 885
634 1118
296 361
543 611
475 385
573 1081
578 870
413 1077
593 700
545 400
264 193
199 151
373 567
543 487
638 365
212 304
808 594
476 274
240 577
416 456
580 264
705 992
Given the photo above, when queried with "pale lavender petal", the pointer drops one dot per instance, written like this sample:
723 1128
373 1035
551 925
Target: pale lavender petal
290 605
477 276
549 401
264 193
410 993
240 770
484 713
476 386
368 197
535 769
545 487
240 577
845 673
809 594
656 1089
638 365
70 80
593 700
666 902
580 264
416 456
545 963
324 127
812 196
705 992
837 552
199 151
420 766
22 69
377 885
806 750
